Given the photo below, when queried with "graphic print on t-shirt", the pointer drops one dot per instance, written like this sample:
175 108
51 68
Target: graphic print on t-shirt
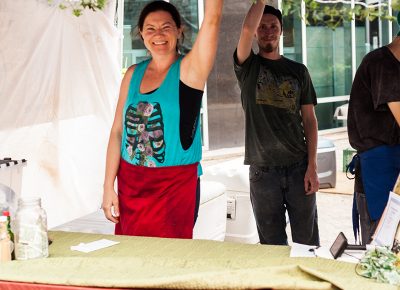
277 90
145 142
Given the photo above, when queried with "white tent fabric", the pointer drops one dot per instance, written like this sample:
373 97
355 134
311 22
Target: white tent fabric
59 81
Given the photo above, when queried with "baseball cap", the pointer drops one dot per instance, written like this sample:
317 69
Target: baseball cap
276 12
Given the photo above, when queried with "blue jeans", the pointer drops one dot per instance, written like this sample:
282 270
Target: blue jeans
273 190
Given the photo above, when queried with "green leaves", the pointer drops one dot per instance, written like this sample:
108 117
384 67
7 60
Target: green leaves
333 15
78 6
380 264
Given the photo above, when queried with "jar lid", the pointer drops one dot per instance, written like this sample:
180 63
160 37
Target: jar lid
29 200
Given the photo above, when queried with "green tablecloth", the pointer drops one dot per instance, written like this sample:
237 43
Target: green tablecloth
140 262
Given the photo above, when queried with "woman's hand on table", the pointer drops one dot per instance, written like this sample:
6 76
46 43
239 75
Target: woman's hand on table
110 205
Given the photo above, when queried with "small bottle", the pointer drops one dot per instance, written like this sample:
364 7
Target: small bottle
30 230
5 245
10 232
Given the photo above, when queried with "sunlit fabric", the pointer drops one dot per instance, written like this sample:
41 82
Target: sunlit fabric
59 81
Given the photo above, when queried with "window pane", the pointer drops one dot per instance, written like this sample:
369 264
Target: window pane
363 45
133 48
292 37
329 55
395 26
190 20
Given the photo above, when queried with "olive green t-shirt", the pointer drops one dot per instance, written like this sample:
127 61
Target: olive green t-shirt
272 93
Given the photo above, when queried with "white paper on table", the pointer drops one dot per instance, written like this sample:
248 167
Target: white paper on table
323 252
301 250
390 220
93 246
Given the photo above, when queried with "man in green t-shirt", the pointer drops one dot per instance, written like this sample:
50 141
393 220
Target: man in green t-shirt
278 100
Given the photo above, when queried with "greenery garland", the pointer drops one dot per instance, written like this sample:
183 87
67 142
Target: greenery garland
380 264
77 6
329 14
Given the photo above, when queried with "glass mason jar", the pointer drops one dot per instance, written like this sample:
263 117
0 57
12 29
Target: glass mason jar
30 230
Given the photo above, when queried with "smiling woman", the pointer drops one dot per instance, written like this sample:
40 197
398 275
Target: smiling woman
155 144
160 29
134 50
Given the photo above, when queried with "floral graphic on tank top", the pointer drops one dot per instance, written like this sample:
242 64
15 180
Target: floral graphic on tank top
144 126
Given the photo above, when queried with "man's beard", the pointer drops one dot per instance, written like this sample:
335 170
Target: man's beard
268 48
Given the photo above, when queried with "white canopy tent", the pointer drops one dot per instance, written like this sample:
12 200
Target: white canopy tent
59 81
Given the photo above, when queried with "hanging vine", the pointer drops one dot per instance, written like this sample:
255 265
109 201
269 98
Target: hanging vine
78 6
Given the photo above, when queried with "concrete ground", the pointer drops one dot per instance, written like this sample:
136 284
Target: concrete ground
334 204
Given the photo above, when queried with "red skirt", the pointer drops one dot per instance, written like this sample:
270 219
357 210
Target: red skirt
156 201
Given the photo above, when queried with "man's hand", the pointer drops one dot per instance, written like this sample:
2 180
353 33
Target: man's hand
311 182
110 205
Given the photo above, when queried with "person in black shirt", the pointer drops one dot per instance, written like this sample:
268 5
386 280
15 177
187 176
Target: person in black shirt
374 131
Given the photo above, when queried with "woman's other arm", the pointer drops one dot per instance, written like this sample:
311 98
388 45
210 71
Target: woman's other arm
110 198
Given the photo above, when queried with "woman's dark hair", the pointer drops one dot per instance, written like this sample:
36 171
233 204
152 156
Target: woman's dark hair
159 5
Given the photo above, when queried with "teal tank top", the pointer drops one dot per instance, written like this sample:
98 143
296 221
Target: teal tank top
151 124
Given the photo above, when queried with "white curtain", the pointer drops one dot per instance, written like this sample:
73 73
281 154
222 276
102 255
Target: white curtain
59 81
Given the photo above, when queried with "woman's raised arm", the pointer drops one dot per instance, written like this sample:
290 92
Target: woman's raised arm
197 64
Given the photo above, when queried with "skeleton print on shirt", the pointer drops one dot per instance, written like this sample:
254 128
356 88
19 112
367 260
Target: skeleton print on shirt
277 90
145 134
